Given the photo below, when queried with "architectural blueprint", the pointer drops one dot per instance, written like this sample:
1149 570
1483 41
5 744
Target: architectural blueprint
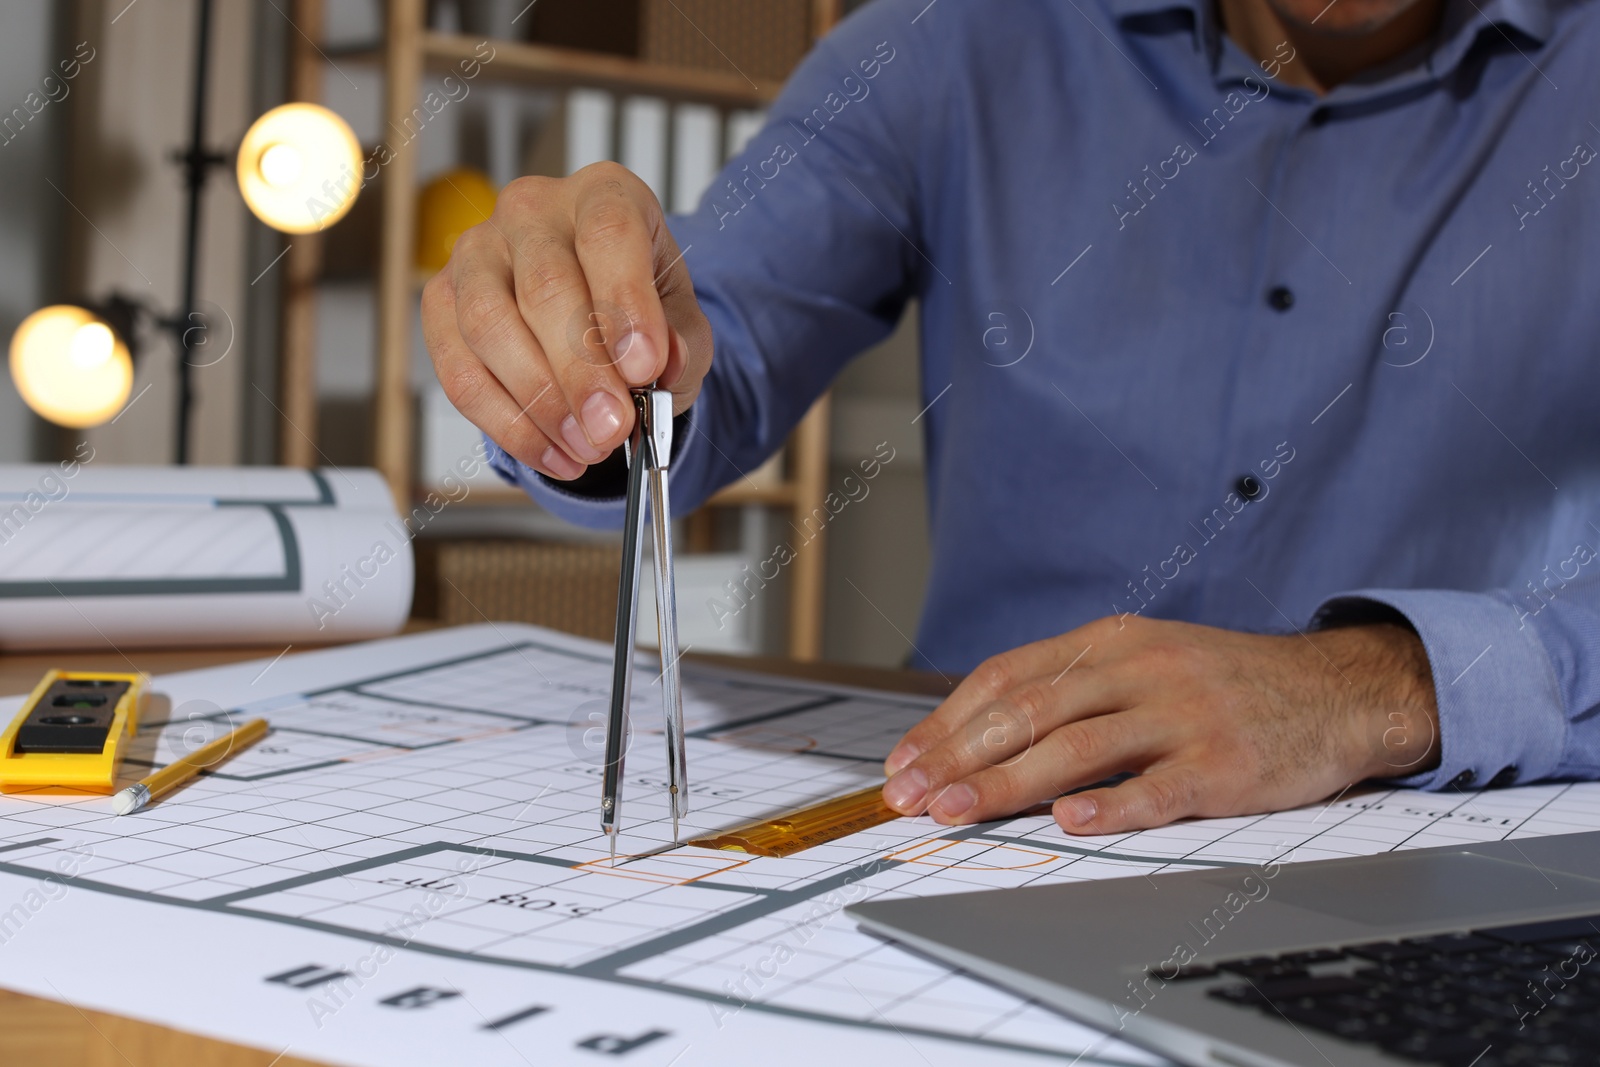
180 557
409 870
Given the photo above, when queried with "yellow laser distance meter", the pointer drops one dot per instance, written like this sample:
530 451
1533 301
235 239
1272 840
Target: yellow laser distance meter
70 732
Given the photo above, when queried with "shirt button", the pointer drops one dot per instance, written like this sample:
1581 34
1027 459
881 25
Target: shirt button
1462 780
1320 116
1507 776
1248 486
1280 298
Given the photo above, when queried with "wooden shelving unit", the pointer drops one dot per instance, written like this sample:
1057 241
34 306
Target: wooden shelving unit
546 66
408 51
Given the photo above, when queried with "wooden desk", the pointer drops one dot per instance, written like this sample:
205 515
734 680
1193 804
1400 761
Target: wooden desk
47 1032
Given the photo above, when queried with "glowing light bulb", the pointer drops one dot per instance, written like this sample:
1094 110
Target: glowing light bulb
91 346
299 168
281 165
70 366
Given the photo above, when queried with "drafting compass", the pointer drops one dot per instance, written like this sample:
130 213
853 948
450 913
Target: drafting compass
648 451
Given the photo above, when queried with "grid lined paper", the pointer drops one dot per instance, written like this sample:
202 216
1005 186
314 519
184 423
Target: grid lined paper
452 807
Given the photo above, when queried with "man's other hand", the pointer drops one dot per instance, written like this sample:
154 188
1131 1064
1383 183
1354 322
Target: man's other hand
1211 722
546 314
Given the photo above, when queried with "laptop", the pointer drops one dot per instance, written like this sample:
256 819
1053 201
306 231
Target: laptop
1467 956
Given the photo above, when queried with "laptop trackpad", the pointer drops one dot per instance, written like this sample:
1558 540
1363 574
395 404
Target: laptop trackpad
1396 889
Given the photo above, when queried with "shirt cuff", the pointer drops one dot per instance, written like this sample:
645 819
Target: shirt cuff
1501 716
605 506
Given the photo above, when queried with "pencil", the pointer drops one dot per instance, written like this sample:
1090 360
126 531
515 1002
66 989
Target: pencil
179 771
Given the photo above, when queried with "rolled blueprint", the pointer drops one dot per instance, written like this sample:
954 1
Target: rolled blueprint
102 556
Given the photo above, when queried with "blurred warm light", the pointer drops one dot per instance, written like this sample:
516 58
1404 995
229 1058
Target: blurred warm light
299 168
447 207
92 345
70 367
282 165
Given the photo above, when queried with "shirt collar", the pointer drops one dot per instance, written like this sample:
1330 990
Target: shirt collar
1122 9
1464 22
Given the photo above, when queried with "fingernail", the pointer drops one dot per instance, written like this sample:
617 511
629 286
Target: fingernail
955 800
602 417
905 791
1076 811
903 754
577 442
560 465
636 358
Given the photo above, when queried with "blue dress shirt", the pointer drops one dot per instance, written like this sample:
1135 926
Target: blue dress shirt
1197 344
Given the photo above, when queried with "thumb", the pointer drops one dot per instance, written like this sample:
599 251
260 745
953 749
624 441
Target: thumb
685 371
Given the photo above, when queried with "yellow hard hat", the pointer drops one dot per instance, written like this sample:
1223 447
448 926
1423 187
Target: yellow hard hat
448 206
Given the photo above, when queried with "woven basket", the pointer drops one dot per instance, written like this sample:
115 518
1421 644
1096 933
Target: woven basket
758 38
569 587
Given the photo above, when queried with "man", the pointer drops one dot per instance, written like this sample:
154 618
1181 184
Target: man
1310 286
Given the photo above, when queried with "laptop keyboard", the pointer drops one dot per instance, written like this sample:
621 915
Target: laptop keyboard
1525 994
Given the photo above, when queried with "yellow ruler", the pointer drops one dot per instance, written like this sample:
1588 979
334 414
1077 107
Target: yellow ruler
800 830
